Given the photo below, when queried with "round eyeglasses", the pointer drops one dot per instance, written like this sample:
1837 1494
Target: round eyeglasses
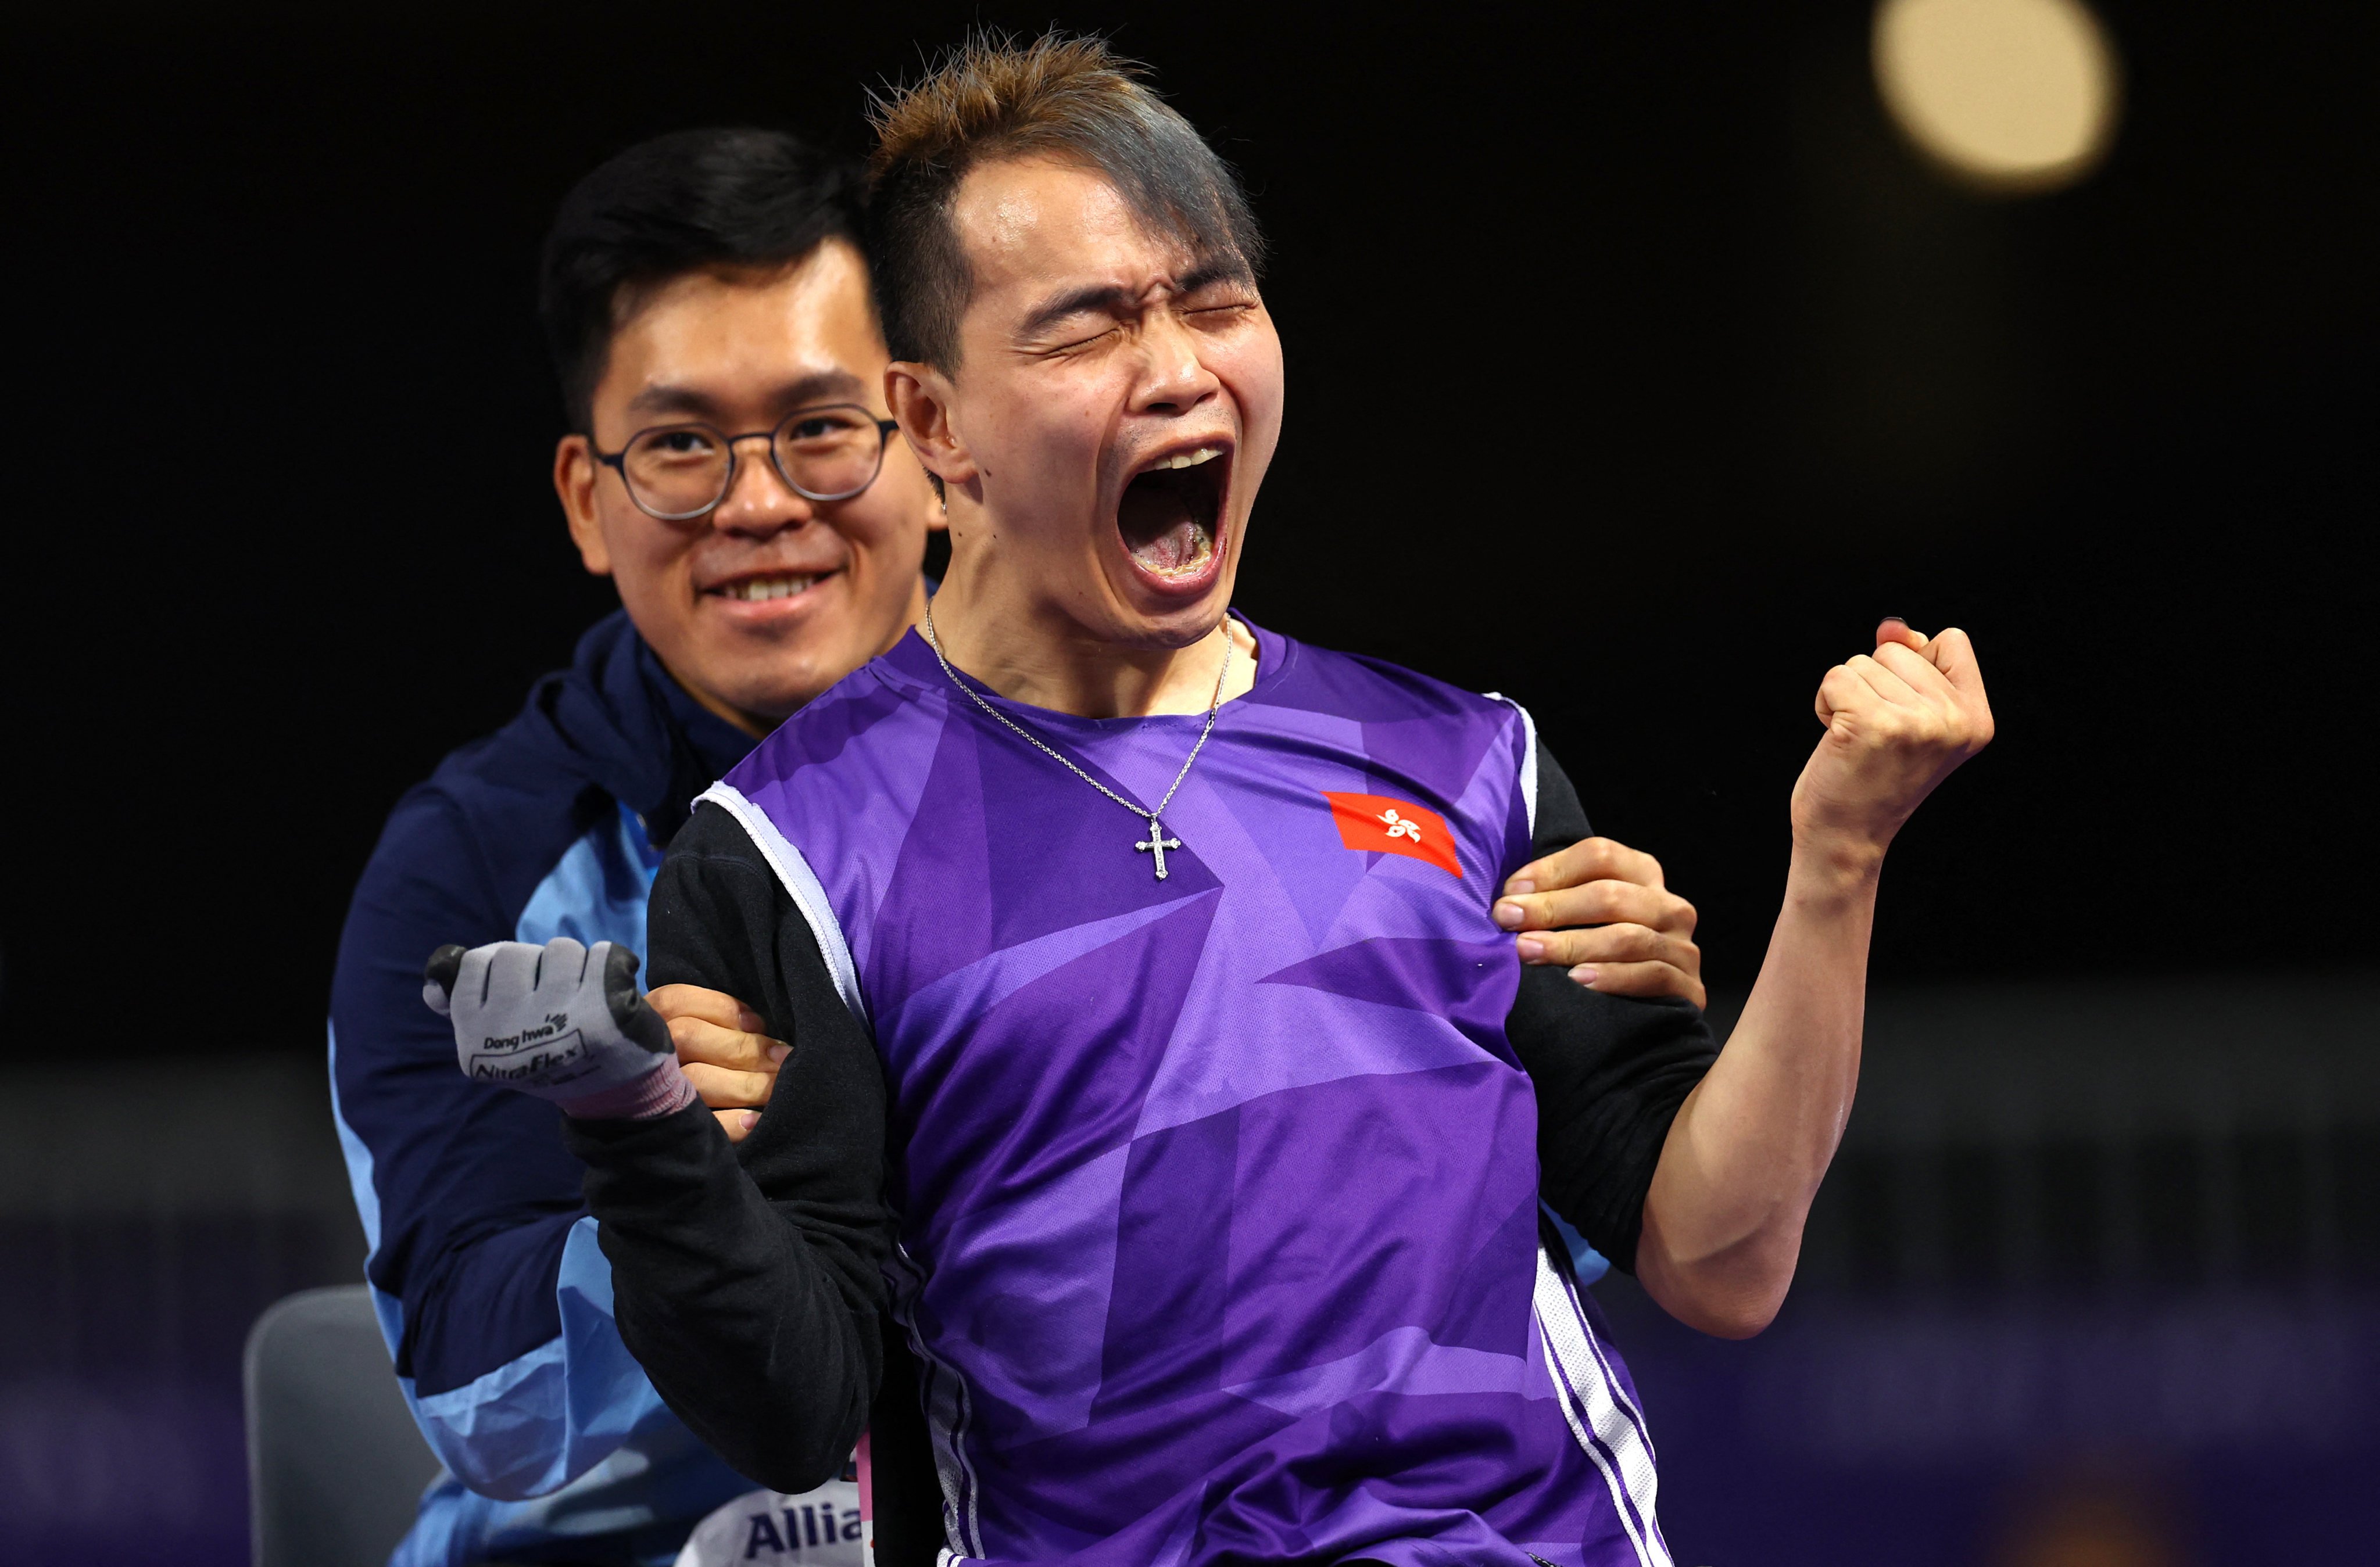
680 472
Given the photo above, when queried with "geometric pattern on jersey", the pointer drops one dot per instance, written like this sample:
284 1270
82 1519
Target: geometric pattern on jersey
1218 1196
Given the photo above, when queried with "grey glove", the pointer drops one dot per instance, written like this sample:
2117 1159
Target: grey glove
561 1021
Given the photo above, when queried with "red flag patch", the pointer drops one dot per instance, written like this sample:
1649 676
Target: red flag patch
1377 825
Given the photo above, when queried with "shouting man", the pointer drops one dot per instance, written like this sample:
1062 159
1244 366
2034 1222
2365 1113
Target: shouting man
726 465
1148 962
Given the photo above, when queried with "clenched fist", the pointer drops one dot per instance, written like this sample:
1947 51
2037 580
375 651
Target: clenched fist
1897 723
561 1021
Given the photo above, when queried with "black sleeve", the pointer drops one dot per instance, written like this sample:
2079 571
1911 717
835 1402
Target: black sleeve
748 1278
1610 1070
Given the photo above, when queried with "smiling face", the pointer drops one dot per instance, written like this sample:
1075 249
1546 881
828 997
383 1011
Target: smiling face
1115 405
770 599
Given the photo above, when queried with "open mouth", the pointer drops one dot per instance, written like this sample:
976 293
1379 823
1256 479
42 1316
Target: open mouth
760 589
1171 513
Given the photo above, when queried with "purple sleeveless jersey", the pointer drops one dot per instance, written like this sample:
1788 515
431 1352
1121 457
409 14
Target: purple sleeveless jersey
1218 1194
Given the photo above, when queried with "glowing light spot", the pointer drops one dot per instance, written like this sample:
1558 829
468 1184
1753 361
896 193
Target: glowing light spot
2016 95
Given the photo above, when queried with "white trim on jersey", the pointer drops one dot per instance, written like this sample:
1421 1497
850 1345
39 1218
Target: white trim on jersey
948 1406
801 885
1528 756
1607 1430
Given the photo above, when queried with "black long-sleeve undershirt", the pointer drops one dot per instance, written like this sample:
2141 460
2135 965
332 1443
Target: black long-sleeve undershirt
746 1280
749 1279
1609 1070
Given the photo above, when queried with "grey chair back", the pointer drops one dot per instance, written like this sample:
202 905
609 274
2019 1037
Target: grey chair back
335 1466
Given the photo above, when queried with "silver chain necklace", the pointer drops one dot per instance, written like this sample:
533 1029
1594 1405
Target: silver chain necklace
1157 843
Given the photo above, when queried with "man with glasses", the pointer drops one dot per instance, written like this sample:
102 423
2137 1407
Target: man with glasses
708 308
729 469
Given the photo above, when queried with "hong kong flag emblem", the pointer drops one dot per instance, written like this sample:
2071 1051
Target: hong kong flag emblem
1380 825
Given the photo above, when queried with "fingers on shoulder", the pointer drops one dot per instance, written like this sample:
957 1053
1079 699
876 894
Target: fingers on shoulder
1647 980
1607 902
1616 943
1591 860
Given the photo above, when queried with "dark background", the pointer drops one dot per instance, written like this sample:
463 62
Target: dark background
1637 367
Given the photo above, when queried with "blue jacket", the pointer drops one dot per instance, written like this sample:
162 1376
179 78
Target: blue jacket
494 1296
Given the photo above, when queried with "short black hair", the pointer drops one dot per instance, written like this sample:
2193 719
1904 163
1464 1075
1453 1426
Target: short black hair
720 197
1059 96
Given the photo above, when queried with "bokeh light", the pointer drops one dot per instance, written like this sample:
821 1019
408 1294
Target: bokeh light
2009 95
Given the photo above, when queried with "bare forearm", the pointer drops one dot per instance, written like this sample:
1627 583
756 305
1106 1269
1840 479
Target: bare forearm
1733 1188
1745 1157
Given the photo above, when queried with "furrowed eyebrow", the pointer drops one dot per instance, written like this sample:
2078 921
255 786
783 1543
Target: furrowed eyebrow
1109 297
1116 301
1214 269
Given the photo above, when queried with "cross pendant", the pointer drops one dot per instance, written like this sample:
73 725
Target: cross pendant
1157 844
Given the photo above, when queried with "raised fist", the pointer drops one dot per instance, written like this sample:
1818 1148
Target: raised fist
1897 723
561 1021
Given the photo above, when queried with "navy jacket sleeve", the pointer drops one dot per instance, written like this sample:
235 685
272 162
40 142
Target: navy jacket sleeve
468 1197
748 1280
1609 1070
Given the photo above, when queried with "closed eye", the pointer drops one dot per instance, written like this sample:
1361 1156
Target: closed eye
1078 344
1227 313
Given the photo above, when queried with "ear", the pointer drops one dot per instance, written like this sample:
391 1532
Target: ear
576 474
920 396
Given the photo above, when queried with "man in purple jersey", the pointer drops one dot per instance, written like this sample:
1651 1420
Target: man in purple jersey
700 283
1148 964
